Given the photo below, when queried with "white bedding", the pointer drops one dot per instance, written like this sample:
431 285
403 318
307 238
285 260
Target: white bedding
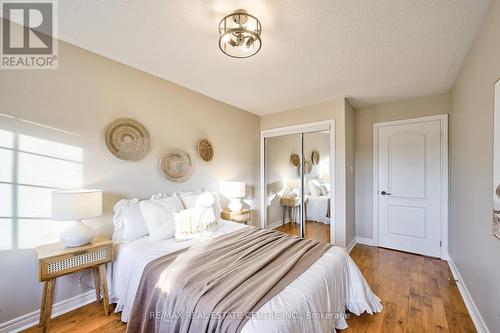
317 208
331 285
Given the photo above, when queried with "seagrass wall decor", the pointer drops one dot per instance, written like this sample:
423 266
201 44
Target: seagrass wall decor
315 157
206 150
175 165
308 166
127 139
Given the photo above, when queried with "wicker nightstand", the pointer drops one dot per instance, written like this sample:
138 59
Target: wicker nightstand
243 216
56 260
292 204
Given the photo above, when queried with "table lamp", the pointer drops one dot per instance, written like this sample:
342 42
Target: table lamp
234 191
75 205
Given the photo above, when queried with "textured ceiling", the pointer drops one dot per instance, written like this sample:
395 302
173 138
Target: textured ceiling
313 51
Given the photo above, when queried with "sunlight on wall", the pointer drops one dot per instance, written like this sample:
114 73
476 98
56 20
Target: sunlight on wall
31 169
324 169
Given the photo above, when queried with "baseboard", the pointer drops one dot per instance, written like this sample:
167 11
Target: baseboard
351 245
277 224
31 319
365 241
469 302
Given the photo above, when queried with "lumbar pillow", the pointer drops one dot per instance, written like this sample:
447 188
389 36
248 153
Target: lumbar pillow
128 222
159 216
192 221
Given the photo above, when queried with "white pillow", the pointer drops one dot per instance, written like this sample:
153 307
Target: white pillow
315 187
159 216
128 222
294 193
202 198
324 190
193 221
189 199
159 195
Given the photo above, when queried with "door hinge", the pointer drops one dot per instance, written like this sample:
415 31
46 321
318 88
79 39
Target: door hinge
440 243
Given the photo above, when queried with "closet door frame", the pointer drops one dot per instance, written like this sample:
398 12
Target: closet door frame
299 129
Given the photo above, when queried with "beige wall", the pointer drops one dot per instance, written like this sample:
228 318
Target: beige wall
80 98
365 118
473 248
325 111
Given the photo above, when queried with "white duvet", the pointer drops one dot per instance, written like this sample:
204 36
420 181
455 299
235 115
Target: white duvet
314 302
317 208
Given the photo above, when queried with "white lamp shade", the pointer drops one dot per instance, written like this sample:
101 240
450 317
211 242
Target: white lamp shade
76 204
232 189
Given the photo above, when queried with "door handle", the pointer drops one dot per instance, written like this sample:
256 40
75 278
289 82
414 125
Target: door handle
385 193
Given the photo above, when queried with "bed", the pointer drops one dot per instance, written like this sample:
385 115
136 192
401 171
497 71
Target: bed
318 208
332 284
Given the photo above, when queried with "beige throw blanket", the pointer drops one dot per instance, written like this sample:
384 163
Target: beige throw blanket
217 285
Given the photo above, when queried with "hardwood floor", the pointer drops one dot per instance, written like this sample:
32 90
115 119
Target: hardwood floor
314 230
415 292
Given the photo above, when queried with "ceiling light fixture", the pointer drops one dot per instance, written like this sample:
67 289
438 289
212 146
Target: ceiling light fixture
239 34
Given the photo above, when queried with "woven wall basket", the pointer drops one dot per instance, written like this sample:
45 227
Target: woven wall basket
127 139
308 166
295 160
206 150
315 157
175 165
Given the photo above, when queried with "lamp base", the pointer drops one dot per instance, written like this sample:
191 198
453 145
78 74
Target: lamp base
235 205
77 234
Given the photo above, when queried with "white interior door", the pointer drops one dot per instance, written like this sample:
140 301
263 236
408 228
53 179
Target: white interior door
409 187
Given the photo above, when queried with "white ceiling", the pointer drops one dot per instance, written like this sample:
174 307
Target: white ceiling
313 51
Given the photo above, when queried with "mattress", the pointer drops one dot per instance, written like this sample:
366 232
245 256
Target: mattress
315 301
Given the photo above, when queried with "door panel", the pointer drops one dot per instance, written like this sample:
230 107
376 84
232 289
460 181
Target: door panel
407 157
410 176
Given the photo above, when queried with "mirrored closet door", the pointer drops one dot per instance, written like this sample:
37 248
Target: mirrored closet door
297 182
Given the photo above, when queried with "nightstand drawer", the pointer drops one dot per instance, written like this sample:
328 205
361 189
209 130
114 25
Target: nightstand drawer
290 202
52 267
55 260
242 216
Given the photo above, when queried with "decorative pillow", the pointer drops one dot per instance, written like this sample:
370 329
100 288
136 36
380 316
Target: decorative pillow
128 222
192 221
324 190
315 187
292 193
202 198
189 199
159 216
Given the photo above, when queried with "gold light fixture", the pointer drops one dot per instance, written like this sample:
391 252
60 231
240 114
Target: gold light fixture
239 34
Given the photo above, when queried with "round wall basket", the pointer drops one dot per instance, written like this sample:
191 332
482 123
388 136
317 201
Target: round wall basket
206 150
295 160
308 166
127 139
315 157
175 165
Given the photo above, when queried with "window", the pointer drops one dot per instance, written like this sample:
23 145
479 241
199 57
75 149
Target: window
32 168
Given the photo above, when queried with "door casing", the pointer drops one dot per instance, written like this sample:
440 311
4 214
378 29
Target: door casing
444 220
